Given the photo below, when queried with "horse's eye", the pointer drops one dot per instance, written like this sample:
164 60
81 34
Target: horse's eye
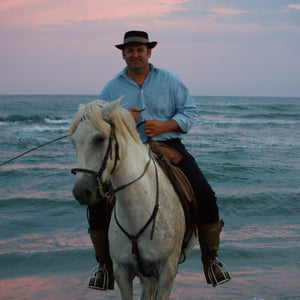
98 140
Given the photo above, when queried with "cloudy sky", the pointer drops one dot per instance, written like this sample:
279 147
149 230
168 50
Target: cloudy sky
218 48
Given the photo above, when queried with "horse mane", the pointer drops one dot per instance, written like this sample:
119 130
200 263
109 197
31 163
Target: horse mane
124 122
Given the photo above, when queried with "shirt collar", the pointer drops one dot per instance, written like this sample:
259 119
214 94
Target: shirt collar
123 72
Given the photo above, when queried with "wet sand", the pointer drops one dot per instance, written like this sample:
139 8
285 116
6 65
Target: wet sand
245 284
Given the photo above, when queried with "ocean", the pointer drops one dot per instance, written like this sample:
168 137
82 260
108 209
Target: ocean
247 147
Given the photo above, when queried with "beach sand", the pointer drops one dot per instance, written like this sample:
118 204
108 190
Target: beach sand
246 284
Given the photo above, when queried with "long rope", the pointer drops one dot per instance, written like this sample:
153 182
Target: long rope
60 138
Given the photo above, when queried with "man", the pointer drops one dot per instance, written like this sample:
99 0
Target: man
169 112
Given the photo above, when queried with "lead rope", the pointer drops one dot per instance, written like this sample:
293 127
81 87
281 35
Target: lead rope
35 148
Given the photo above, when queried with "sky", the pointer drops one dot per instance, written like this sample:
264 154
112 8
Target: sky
218 48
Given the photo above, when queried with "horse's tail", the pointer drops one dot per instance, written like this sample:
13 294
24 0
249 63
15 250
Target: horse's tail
153 288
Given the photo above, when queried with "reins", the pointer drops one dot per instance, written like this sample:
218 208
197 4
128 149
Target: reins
124 186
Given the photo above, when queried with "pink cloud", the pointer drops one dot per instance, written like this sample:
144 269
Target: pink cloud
295 6
228 11
20 13
11 4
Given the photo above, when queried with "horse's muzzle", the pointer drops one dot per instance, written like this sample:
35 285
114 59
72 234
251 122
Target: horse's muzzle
83 196
85 190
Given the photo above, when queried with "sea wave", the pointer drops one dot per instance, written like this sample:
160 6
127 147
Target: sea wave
29 119
58 121
43 128
261 203
246 121
46 262
22 119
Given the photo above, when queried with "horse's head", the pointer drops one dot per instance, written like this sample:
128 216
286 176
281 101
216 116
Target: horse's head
91 135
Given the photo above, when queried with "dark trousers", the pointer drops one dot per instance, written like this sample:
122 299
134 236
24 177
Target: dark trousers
208 211
98 216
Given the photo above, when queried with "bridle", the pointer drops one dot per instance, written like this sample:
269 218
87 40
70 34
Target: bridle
102 185
105 192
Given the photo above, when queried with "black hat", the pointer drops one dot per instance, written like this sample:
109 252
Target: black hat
136 37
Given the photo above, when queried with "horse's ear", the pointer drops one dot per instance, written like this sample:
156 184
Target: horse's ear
108 110
81 106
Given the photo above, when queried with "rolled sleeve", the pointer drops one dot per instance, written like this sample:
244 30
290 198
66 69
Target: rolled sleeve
186 110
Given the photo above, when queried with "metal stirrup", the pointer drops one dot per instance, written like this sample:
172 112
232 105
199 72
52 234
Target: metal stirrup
217 273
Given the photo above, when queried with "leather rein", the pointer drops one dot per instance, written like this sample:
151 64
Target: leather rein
106 194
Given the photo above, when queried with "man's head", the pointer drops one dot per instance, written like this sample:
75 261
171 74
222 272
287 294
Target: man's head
136 38
136 50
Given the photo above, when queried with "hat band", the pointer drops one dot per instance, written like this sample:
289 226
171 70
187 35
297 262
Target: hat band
136 39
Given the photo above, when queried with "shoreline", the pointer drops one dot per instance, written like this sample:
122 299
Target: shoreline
246 284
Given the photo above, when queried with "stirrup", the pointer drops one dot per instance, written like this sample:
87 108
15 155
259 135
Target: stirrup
100 279
217 273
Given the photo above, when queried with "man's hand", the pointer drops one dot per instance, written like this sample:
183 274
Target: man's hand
156 127
135 112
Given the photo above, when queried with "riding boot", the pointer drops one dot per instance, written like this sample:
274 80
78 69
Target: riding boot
102 276
209 239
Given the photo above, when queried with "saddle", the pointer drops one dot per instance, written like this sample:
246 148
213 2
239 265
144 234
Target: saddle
168 157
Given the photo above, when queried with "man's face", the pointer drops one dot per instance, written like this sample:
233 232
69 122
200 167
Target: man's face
136 56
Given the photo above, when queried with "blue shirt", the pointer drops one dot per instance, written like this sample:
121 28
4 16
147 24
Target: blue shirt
164 96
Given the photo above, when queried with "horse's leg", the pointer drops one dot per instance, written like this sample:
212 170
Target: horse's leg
149 286
124 282
166 279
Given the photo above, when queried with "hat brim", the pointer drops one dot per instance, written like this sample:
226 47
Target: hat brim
150 45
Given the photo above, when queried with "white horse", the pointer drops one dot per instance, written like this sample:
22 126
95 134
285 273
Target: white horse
147 226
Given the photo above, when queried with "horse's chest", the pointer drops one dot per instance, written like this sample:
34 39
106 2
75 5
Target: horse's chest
143 267
140 259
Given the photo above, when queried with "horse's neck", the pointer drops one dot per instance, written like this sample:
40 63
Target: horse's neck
133 163
138 199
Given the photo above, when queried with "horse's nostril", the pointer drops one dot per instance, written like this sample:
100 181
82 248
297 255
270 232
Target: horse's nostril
88 194
82 195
